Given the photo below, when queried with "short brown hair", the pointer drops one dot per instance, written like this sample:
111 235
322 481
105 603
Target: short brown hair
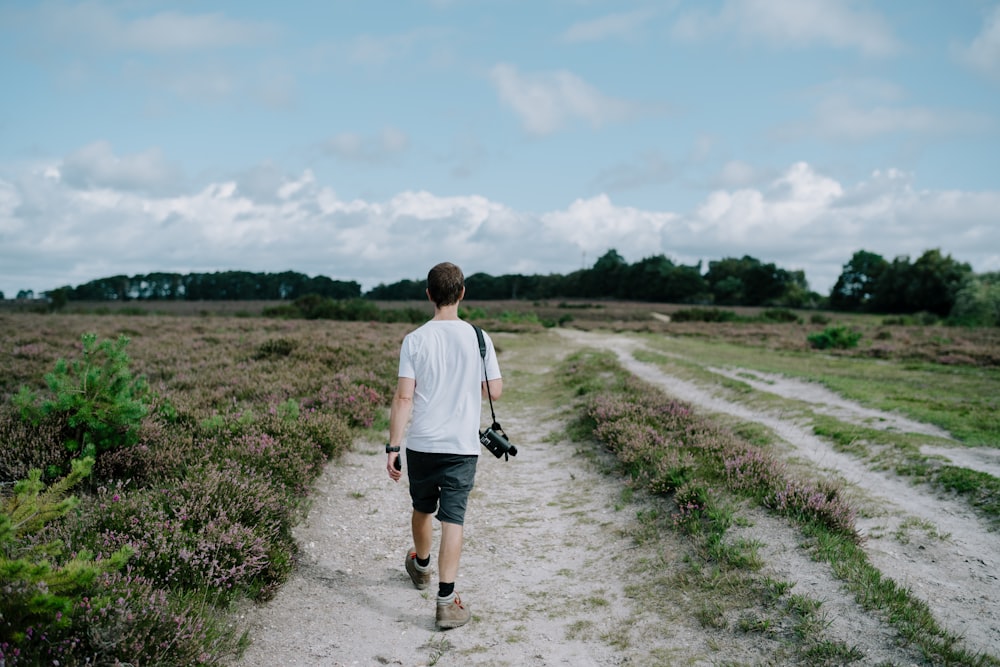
445 283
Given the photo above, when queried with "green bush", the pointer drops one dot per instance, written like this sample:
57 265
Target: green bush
469 314
977 303
839 337
101 402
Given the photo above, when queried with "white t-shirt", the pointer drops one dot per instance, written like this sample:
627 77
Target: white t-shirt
442 356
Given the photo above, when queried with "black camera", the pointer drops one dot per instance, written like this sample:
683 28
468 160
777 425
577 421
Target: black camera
495 440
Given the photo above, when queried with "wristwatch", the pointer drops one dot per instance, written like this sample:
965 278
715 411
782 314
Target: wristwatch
390 448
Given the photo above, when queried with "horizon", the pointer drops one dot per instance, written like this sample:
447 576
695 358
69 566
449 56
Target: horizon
359 144
366 289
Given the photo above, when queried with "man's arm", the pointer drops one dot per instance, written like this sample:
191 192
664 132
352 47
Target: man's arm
399 416
495 388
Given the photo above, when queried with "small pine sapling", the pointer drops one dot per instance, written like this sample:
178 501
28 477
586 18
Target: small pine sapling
96 396
42 589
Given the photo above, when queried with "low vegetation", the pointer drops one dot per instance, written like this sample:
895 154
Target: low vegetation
152 465
706 471
190 458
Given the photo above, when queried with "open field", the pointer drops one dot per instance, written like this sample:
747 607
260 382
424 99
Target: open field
910 444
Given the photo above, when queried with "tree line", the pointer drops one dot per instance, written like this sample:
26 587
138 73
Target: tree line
731 281
217 286
934 283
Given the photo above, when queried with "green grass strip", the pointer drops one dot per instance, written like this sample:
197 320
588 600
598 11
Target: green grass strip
674 452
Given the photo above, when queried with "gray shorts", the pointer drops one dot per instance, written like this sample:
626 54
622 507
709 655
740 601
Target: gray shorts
441 482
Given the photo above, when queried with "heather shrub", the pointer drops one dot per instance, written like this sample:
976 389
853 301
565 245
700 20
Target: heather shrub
243 418
331 433
132 620
25 446
210 532
661 443
276 447
753 470
691 500
274 348
351 396
812 503
101 401
839 337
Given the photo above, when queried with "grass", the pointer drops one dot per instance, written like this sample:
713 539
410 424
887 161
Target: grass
963 400
916 385
873 590
724 572
900 452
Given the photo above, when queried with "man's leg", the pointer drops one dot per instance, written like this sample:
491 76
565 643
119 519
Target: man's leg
451 611
423 534
450 552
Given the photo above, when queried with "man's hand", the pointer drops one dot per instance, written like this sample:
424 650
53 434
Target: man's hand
390 466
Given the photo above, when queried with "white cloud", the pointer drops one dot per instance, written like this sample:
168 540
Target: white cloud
595 224
96 166
96 25
548 101
983 53
389 143
804 220
793 202
794 23
625 25
55 233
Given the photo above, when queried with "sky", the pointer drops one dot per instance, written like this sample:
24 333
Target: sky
368 141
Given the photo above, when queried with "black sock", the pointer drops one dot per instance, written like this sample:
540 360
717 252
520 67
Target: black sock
444 590
423 562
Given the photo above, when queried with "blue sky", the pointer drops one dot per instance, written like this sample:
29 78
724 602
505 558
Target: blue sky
368 141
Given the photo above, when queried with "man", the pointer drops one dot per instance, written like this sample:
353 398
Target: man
439 394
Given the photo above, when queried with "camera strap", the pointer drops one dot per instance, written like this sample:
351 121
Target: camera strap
482 353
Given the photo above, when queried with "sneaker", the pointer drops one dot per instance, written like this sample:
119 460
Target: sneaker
420 579
452 614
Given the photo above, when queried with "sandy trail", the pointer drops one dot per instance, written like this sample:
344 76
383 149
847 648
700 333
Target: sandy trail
549 556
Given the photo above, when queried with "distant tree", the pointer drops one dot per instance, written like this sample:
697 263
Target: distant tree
687 285
1 295
855 288
935 282
747 281
58 297
403 290
646 280
605 278
930 284
26 294
977 302
218 286
797 293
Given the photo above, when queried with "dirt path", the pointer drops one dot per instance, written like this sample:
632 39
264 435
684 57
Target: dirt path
542 534
957 576
550 556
